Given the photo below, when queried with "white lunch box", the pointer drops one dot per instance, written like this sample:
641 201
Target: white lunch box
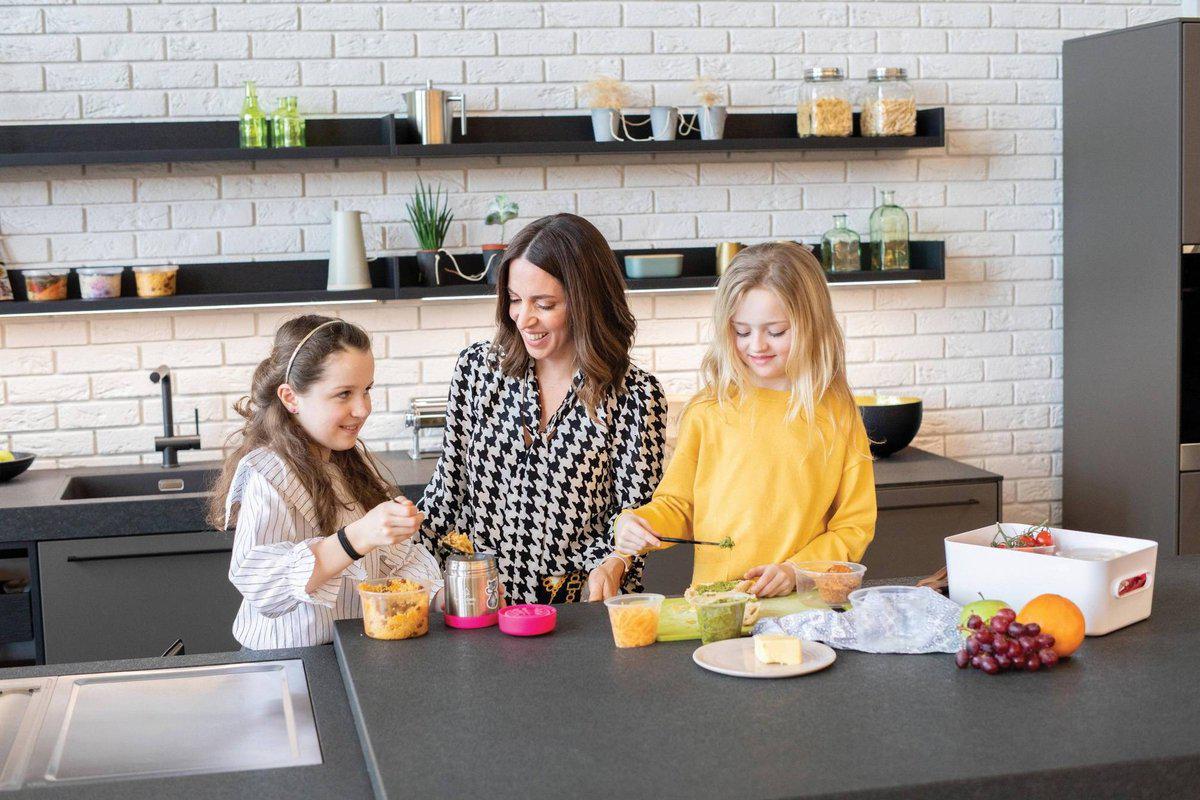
1110 578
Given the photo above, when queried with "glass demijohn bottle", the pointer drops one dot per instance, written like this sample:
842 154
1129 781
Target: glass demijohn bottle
252 128
889 235
840 247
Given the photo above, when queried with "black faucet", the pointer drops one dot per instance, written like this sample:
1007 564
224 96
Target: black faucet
169 444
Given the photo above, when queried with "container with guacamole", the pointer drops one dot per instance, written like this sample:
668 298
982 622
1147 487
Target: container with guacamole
720 616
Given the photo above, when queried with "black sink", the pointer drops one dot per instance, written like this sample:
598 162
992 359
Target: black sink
146 484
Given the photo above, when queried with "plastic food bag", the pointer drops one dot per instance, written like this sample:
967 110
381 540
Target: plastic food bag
911 621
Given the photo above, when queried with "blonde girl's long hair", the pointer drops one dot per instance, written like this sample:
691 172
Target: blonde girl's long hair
816 365
268 424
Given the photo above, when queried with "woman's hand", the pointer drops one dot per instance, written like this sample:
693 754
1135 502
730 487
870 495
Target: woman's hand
605 580
773 580
390 522
633 535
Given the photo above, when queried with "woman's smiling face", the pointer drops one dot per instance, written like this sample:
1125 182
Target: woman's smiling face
537 305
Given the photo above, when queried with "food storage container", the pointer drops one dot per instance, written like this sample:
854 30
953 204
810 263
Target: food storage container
888 104
634 618
394 608
720 616
655 265
824 108
45 284
156 281
1110 578
98 283
834 580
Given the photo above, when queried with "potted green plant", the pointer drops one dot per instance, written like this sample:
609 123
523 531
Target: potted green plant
430 216
499 212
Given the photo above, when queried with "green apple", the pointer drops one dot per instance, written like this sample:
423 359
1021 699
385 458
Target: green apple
984 608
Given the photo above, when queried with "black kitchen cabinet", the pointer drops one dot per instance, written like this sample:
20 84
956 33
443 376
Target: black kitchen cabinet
133 596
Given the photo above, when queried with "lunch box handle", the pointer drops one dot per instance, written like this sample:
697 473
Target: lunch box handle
1132 584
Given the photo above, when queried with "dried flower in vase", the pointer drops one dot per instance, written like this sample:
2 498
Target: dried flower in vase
605 92
707 91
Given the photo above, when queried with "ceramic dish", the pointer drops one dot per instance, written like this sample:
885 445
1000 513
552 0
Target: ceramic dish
736 657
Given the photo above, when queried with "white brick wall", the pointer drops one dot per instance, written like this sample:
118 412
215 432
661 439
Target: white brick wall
983 350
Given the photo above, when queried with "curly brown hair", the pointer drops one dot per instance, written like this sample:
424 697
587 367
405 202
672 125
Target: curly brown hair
574 252
268 424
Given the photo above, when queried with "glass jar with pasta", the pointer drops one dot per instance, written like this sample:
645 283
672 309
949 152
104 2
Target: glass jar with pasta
824 108
888 104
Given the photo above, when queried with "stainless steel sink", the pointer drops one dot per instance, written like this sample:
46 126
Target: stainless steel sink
185 721
142 484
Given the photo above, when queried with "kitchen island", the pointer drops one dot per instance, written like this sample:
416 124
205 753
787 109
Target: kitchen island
569 715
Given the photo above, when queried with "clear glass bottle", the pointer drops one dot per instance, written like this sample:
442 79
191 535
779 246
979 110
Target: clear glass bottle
824 108
889 235
294 129
888 104
252 128
840 247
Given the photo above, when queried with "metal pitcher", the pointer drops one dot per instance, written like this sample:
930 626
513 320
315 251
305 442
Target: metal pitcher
429 115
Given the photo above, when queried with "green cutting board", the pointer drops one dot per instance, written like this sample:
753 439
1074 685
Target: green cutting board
677 620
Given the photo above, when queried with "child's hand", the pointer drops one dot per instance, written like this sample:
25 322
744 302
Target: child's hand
633 535
774 580
390 522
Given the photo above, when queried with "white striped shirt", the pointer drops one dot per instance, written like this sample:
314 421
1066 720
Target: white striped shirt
273 561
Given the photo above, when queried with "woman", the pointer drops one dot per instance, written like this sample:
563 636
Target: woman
550 430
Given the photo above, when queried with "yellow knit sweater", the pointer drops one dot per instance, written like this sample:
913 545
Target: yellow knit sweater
747 472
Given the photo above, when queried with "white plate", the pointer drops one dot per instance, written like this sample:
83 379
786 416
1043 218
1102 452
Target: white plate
736 657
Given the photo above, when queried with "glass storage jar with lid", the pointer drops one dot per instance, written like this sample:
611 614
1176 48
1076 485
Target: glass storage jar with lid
888 104
824 108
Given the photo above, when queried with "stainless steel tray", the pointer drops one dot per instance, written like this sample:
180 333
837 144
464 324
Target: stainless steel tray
181 721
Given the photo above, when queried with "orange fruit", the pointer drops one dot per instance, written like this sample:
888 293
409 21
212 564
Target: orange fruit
1058 617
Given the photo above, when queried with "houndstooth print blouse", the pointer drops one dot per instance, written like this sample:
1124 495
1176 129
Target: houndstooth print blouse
546 510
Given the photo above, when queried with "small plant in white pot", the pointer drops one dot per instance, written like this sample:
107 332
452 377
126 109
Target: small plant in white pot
607 97
499 212
710 117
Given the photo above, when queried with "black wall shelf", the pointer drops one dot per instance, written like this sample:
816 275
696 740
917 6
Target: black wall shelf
389 137
259 283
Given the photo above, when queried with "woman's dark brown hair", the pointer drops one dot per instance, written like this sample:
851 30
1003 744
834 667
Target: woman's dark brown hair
268 424
571 250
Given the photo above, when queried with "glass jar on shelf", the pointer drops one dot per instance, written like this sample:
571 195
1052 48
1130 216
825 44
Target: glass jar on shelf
888 104
840 247
293 124
824 108
252 126
889 235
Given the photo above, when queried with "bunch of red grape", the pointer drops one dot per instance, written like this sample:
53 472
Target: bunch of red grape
1005 644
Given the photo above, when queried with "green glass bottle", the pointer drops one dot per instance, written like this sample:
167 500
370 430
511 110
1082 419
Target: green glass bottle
889 235
840 247
293 124
278 123
252 128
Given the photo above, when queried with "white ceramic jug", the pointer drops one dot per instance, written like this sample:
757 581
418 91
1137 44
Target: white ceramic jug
347 253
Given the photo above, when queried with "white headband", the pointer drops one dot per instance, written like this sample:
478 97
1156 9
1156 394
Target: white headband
288 372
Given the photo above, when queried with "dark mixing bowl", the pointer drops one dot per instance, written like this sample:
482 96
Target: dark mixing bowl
891 421
11 469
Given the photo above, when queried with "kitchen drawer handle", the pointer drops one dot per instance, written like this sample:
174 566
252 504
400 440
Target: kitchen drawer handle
947 504
120 556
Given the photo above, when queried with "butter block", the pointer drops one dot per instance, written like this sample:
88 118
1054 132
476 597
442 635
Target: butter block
777 648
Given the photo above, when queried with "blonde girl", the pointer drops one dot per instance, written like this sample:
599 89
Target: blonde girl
299 483
772 452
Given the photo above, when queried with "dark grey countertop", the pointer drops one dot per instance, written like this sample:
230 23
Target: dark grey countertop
569 715
31 508
342 773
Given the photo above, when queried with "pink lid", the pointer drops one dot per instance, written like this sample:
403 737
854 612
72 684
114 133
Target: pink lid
482 621
528 620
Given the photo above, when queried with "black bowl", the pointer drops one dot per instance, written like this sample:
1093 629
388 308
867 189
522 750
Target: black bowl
11 469
891 422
